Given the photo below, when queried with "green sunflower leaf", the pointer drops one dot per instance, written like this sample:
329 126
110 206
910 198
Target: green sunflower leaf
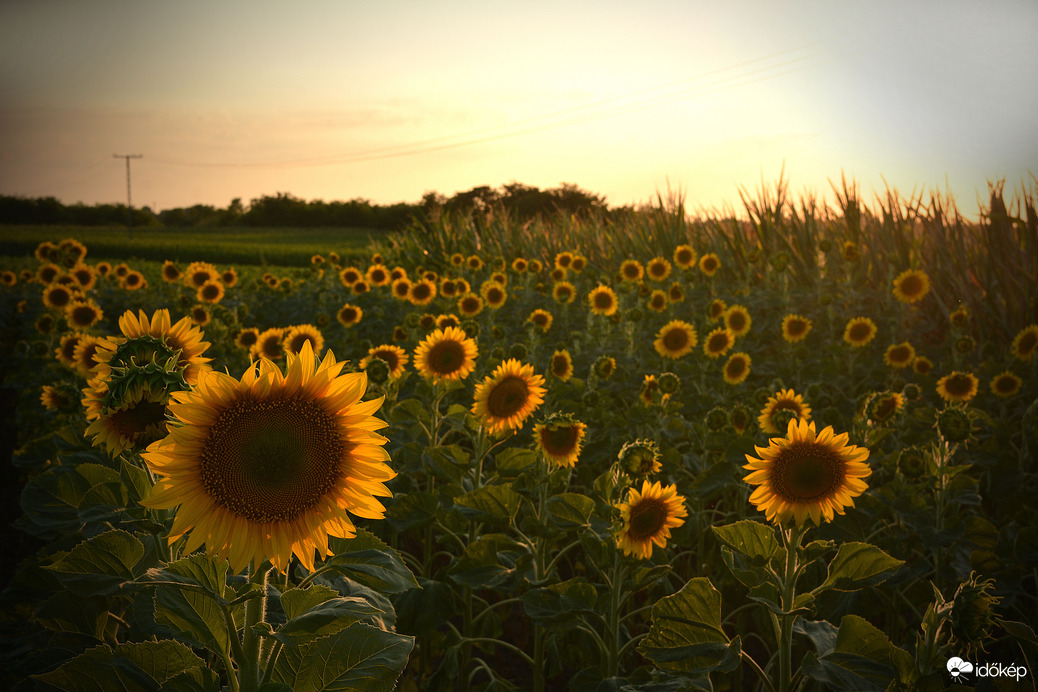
861 658
368 561
570 510
100 565
164 664
51 503
490 561
295 602
198 572
752 539
686 632
491 503
196 617
325 618
556 606
858 565
358 658
412 509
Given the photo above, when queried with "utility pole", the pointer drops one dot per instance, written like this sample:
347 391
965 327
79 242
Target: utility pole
129 203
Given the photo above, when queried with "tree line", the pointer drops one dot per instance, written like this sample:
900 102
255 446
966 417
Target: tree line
524 202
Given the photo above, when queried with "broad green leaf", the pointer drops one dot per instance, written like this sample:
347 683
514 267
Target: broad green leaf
135 666
135 479
511 462
686 632
570 510
359 658
161 660
98 670
295 602
747 575
448 462
100 565
752 539
69 612
412 509
196 616
491 503
51 502
411 411
367 560
489 561
326 618
557 605
383 617
200 572
858 565
861 658
422 610
821 633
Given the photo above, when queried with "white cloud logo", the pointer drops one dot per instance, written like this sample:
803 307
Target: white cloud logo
958 668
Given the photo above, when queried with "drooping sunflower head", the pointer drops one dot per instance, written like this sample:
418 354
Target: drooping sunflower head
559 438
1005 384
508 396
296 336
899 355
911 286
718 342
602 300
737 369
648 515
134 419
784 400
394 357
446 354
175 347
675 339
958 387
271 465
639 458
806 475
972 616
561 365
669 383
859 331
795 328
740 418
737 320
650 388
541 319
1025 343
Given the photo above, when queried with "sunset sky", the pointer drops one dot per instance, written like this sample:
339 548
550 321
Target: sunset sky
386 101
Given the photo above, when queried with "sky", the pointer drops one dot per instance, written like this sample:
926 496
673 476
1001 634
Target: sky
388 101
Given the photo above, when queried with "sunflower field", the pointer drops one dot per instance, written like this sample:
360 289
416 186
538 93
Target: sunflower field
789 451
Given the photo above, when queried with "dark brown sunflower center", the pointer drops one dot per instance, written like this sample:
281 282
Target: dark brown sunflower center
495 295
1005 384
788 404
508 397
446 357
296 343
675 339
736 321
470 304
647 519
1027 343
560 365
59 297
540 319
736 367
139 419
806 471
420 291
271 348
958 385
860 331
210 291
561 440
795 327
390 358
603 300
718 343
912 285
272 460
899 354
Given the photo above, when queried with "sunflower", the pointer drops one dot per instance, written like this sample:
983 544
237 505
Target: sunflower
66 350
850 251
103 268
200 315
317 260
198 273
508 396
737 320
427 322
349 276
959 316
470 305
859 331
401 288
397 272
73 251
740 418
737 369
784 400
421 292
45 250
718 342
446 354
457 259
82 313
684 256
922 365
461 287
561 365
55 399
170 272
564 259
1025 343
709 264
519 265
247 338
541 319
47 273
210 292
136 420
559 439
134 281
448 289
911 286
650 387
494 294
8 278
640 458
957 386
84 274
393 356
899 355
675 294
377 275
270 344
57 296
648 515
795 328
83 354
631 270
675 339
657 300
716 310
805 474
121 270
474 263
602 300
536 267
296 337
563 292
267 467
884 405
359 287
1005 384
229 277
444 321
604 367
349 315
658 269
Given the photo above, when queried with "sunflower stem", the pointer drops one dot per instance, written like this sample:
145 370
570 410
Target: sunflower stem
252 646
791 538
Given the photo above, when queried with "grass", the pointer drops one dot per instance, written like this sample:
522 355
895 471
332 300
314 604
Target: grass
288 247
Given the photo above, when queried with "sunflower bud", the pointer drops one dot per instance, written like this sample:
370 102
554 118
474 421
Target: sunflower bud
955 425
740 418
377 371
780 418
964 345
883 406
911 391
971 616
912 463
518 351
716 419
669 383
470 328
640 458
604 367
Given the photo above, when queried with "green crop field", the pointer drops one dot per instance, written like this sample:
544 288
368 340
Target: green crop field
793 450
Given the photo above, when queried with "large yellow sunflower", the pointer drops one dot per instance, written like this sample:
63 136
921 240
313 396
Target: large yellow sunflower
507 397
296 336
675 339
795 328
559 439
1025 343
859 331
911 285
958 386
268 466
446 354
648 515
602 300
784 400
135 420
805 474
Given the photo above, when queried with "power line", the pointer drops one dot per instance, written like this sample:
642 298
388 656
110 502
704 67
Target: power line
129 203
